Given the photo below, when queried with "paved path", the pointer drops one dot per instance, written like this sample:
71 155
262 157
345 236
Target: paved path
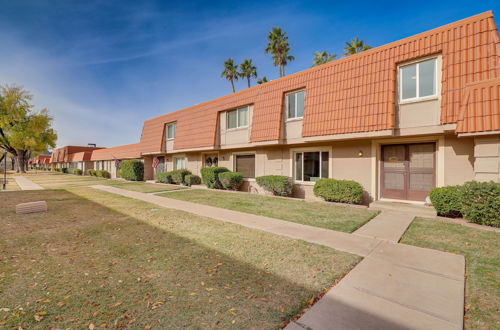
26 184
396 286
388 226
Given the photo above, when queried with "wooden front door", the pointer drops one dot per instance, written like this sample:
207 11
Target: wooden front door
408 171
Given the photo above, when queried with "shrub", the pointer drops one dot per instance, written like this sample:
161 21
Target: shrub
342 191
64 170
103 174
210 176
132 170
178 175
231 180
90 172
192 179
447 201
75 171
481 203
277 184
164 177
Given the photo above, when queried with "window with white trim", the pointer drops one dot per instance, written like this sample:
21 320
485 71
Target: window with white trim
294 104
179 163
171 131
311 166
418 80
237 118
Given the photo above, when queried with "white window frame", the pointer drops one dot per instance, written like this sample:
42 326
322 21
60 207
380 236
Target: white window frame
238 117
294 151
418 98
286 104
175 131
184 162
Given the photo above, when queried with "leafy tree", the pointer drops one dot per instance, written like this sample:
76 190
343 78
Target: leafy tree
322 58
247 71
279 48
22 129
355 46
230 72
262 80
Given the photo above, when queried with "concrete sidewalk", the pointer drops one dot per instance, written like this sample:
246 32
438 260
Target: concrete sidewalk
387 226
395 286
26 184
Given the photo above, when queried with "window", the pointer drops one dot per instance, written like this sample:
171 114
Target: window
311 166
180 163
237 118
245 164
294 103
418 80
171 131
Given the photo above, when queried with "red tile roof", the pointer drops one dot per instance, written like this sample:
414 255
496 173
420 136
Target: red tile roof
82 156
129 151
41 159
480 111
62 154
353 94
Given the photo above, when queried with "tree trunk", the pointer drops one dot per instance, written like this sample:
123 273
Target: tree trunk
248 79
232 85
21 162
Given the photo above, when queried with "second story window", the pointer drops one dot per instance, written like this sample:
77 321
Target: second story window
171 131
294 104
418 80
237 118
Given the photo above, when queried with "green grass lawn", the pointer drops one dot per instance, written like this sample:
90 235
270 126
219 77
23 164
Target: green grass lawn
65 181
11 184
100 259
324 215
481 250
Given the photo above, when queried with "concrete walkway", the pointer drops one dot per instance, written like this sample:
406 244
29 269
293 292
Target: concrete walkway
396 286
387 226
26 184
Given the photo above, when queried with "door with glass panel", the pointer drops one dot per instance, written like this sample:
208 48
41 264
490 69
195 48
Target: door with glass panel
408 171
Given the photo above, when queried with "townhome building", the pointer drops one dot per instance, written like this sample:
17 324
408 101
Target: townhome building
400 119
73 157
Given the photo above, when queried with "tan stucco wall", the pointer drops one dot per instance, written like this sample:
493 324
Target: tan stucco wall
293 130
458 160
418 114
487 158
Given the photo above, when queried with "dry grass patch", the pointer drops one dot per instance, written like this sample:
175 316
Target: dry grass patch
324 215
106 260
480 249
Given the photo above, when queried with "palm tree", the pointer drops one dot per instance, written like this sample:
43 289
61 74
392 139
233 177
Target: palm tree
355 46
278 47
322 58
262 80
230 72
247 71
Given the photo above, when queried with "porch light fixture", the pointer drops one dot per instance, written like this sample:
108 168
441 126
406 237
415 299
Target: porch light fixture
360 153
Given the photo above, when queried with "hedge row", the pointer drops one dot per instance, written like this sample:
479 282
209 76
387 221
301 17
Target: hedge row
98 173
181 176
477 202
75 171
132 170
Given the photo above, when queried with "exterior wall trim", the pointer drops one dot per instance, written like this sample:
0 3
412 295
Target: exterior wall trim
478 133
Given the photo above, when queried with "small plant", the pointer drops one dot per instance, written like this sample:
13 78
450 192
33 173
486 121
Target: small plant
178 175
164 177
277 184
481 203
103 174
192 179
231 180
64 170
89 172
210 176
447 201
132 170
342 191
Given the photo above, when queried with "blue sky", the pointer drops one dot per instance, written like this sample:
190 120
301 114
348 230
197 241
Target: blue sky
103 67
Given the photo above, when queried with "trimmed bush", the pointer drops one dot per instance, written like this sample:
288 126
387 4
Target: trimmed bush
447 201
231 180
210 176
132 170
64 170
90 172
164 177
192 179
103 174
178 175
341 191
277 184
75 171
481 203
